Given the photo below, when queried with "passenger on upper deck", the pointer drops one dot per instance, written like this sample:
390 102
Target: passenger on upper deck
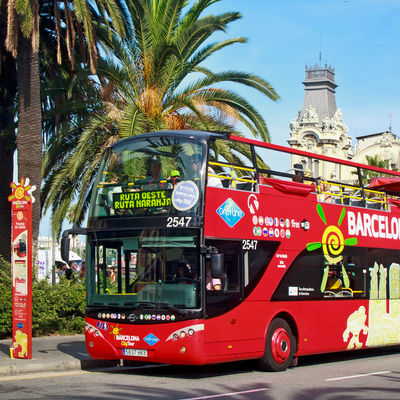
325 195
153 180
298 178
298 173
174 177
213 180
196 164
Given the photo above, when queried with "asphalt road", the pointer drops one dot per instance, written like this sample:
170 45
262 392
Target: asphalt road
371 374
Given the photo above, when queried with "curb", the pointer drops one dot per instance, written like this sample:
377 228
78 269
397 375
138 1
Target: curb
56 366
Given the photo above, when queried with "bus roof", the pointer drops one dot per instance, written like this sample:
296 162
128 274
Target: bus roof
190 134
207 135
313 155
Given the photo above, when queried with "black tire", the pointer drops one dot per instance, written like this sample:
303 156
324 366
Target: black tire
280 346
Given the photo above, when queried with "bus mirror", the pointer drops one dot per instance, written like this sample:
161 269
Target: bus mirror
217 265
65 241
65 249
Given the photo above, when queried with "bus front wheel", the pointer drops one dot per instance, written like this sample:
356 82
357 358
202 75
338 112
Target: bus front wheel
280 347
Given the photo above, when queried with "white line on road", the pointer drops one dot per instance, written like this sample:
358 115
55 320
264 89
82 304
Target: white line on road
214 396
358 376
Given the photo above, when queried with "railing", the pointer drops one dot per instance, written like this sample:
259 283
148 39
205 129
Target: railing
234 177
345 193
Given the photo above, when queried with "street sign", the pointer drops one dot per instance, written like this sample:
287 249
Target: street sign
21 200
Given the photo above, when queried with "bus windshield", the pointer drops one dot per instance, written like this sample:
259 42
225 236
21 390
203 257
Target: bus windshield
148 266
151 176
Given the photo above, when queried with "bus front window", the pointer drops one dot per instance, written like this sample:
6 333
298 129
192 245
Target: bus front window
146 177
152 266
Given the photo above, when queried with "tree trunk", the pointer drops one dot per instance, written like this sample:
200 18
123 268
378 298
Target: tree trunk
29 136
6 176
8 91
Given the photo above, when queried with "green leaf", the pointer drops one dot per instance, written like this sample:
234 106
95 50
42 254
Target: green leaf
321 213
351 242
342 214
313 246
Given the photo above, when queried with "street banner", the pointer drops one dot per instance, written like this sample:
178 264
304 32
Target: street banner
21 200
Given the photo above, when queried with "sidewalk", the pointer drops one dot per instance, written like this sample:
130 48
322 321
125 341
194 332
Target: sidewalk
51 353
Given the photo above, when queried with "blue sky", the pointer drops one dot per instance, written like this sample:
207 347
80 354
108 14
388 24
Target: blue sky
358 38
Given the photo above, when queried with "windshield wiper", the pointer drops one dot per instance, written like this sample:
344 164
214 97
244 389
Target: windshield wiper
138 305
155 305
170 307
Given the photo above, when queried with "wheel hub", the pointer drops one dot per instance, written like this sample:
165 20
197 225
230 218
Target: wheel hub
280 345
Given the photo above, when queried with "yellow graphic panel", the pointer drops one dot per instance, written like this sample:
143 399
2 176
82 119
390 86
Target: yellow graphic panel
383 323
21 339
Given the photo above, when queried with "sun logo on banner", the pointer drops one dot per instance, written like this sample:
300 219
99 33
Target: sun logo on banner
332 242
22 191
115 330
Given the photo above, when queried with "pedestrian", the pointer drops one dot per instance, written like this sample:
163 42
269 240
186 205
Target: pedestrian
82 272
61 270
69 270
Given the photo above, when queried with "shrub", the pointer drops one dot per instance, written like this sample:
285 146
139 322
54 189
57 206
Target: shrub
58 309
5 299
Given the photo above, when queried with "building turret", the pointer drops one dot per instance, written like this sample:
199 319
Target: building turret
319 126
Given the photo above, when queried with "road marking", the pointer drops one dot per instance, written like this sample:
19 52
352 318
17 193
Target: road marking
214 396
358 376
41 375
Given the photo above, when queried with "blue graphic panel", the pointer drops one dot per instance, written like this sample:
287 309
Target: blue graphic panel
150 339
230 212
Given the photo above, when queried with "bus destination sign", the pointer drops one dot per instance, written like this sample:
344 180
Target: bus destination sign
145 199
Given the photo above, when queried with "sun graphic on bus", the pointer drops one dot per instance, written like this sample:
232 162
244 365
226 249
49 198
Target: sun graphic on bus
115 330
332 242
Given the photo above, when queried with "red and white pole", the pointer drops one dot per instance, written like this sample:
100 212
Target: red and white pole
21 264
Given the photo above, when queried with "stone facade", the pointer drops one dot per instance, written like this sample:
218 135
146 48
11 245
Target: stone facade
385 144
319 128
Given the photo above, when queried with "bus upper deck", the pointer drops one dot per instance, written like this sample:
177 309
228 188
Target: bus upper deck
126 186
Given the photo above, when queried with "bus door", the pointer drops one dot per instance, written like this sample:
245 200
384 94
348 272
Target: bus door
224 292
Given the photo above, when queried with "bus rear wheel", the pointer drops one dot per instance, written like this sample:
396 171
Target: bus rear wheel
280 347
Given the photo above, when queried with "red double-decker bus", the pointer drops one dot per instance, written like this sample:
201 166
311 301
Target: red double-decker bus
205 248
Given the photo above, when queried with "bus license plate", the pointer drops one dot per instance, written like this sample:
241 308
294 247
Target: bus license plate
135 352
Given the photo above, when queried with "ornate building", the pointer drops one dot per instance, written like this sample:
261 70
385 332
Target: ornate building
319 126
385 145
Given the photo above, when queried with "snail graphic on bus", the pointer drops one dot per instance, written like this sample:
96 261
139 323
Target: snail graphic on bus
332 244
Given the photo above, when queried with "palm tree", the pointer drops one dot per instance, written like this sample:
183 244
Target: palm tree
21 22
375 161
154 79
8 79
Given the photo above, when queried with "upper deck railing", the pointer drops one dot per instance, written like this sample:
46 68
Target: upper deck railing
354 191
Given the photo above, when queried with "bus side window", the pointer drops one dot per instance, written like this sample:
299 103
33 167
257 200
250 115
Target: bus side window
383 273
347 278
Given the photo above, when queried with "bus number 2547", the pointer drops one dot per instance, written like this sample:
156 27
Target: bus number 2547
174 222
249 244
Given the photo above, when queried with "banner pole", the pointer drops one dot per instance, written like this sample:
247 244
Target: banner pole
21 200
